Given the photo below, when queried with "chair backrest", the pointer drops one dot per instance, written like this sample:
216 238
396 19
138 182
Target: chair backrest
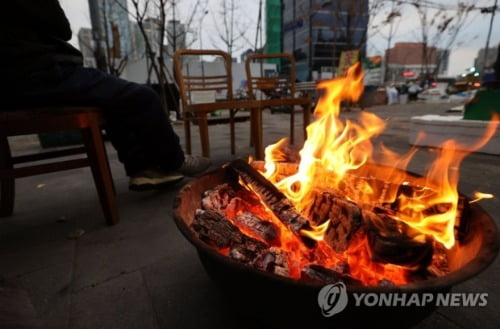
200 83
281 85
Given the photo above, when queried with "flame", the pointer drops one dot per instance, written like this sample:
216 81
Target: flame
336 156
480 196
317 232
333 147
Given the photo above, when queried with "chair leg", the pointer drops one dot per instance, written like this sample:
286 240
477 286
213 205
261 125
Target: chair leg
231 128
100 170
292 124
187 133
7 186
203 125
257 133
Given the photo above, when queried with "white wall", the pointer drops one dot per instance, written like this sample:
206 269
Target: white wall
136 71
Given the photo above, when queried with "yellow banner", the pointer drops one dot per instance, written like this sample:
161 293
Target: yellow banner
347 59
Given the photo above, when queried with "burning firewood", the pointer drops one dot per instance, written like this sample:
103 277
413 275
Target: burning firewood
264 229
219 232
345 218
391 242
225 200
273 198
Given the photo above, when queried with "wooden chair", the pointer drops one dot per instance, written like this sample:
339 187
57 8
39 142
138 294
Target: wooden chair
276 91
208 92
31 121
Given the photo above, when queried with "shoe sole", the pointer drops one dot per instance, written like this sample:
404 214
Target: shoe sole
151 186
196 173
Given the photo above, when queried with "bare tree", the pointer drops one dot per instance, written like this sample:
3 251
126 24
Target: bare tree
229 26
141 12
392 19
439 27
151 18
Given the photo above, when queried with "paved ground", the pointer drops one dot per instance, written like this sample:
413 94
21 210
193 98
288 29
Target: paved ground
142 273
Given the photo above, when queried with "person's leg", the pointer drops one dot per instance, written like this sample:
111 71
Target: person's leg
136 122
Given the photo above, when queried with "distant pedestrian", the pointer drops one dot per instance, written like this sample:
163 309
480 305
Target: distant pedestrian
413 91
392 94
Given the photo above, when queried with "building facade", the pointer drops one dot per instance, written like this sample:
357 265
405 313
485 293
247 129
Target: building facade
117 27
87 46
318 31
405 61
479 61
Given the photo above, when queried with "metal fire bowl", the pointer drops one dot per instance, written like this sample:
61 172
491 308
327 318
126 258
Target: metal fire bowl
285 302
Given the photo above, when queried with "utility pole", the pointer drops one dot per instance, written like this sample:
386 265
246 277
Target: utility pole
389 39
488 10
201 45
174 40
97 34
259 28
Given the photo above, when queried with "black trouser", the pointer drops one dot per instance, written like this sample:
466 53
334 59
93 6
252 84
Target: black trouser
136 124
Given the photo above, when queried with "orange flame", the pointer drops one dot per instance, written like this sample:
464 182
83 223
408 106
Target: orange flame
480 196
336 156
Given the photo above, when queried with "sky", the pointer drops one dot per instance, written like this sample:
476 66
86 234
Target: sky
472 36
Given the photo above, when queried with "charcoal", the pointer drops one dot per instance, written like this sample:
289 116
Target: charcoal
247 250
218 198
319 274
274 261
386 283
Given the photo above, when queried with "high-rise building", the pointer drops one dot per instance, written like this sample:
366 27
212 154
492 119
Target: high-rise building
176 37
137 43
479 61
318 31
111 26
87 47
273 28
118 27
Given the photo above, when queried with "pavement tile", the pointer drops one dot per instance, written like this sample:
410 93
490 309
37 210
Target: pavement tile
183 296
145 235
49 291
119 303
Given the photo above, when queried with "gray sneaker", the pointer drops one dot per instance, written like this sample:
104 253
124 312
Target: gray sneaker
154 179
194 165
